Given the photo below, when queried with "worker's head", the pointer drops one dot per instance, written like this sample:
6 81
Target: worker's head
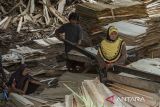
74 18
23 70
112 33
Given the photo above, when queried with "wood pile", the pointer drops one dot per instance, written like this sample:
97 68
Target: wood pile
148 65
135 97
136 35
22 54
94 15
93 94
25 20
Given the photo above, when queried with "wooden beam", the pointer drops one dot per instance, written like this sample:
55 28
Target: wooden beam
134 82
142 74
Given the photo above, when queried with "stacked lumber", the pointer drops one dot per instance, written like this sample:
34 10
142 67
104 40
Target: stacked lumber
136 35
94 15
21 54
134 96
147 65
93 94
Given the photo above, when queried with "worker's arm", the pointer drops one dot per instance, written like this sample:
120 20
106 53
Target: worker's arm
60 31
14 89
80 34
36 82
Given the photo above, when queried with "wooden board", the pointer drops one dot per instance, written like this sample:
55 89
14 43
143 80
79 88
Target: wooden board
134 82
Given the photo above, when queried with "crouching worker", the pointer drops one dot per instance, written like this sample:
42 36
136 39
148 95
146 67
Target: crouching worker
21 82
113 49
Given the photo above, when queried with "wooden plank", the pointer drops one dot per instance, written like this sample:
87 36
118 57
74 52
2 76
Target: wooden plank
35 99
61 6
37 102
68 100
4 20
20 101
78 58
7 23
143 74
134 82
19 25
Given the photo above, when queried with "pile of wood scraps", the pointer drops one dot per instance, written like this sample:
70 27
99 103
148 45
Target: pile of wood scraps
22 54
28 20
94 15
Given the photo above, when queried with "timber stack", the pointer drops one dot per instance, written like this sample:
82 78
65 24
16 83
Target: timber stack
95 15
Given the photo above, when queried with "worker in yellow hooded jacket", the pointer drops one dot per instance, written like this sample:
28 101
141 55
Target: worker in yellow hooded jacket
112 49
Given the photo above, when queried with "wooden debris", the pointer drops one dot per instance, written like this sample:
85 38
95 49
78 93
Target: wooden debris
45 12
20 24
4 20
58 15
61 6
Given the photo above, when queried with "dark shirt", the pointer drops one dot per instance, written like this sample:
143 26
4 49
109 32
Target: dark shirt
73 33
19 80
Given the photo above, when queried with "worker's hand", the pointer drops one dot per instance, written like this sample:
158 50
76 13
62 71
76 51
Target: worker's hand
109 66
21 92
60 36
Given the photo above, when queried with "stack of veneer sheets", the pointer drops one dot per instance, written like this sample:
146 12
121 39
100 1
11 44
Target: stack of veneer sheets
94 15
136 35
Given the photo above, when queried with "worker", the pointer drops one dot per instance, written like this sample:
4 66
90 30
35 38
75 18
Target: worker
21 82
112 49
73 33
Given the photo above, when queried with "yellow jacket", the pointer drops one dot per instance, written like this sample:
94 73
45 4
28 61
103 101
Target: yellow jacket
111 51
